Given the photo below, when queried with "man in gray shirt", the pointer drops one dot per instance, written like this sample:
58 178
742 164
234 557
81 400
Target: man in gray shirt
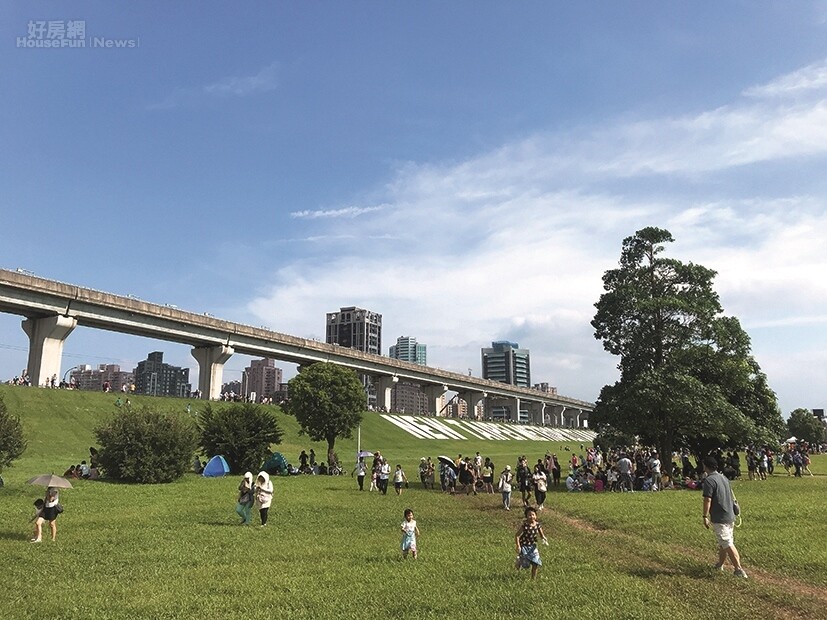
718 513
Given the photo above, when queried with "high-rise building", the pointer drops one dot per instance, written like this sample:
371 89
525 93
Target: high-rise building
88 378
154 377
408 350
262 378
508 363
360 329
408 397
355 328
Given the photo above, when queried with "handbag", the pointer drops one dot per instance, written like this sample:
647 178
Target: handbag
736 510
59 509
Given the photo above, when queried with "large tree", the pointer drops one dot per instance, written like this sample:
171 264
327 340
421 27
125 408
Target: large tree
804 426
328 401
686 376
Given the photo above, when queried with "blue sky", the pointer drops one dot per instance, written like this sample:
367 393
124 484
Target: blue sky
467 169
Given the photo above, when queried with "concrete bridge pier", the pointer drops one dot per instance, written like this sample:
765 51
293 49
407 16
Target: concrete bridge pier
556 416
432 396
46 337
535 412
211 362
471 399
384 386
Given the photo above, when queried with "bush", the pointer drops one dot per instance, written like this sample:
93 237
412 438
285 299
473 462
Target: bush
12 442
241 433
146 446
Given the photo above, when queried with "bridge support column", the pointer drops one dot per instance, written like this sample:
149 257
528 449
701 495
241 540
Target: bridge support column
516 405
471 399
211 362
432 395
535 413
384 386
557 412
46 337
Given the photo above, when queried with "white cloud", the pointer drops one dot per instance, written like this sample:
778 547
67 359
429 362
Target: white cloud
512 244
349 212
802 81
265 80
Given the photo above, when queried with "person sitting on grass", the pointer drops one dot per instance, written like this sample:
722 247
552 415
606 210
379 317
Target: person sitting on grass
572 484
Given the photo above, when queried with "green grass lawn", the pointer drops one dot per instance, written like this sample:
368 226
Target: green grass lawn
176 550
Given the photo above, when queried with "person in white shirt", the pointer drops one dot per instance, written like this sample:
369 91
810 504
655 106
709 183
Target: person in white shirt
654 468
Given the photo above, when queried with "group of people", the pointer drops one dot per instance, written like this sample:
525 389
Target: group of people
258 493
84 470
380 474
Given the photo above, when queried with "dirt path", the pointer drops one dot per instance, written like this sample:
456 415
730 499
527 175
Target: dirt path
774 591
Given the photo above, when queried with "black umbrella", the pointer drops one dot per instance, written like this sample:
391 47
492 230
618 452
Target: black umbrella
447 461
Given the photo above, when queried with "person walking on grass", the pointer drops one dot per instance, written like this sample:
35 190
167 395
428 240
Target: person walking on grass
409 534
361 471
37 518
47 511
540 480
525 540
244 507
718 514
264 495
384 474
399 479
505 486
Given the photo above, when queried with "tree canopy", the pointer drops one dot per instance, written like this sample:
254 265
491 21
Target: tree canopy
687 378
12 441
146 446
242 433
806 427
327 401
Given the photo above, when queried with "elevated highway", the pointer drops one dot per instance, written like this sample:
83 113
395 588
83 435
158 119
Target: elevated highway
53 309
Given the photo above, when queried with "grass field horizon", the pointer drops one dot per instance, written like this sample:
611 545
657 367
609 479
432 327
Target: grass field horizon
176 551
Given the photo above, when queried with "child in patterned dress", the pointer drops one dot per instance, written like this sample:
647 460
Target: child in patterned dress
409 533
526 542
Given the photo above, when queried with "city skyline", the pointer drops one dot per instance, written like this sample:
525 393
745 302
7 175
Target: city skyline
469 170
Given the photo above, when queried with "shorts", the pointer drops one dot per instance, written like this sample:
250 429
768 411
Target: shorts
528 556
724 533
397 485
488 479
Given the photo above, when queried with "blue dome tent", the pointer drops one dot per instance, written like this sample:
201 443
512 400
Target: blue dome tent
216 467
276 464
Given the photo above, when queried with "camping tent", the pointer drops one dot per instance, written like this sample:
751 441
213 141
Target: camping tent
792 440
276 464
216 467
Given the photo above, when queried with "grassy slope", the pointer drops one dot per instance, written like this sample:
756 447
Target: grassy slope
175 551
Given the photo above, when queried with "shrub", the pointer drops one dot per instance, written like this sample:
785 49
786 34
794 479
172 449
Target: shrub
241 433
12 442
146 446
